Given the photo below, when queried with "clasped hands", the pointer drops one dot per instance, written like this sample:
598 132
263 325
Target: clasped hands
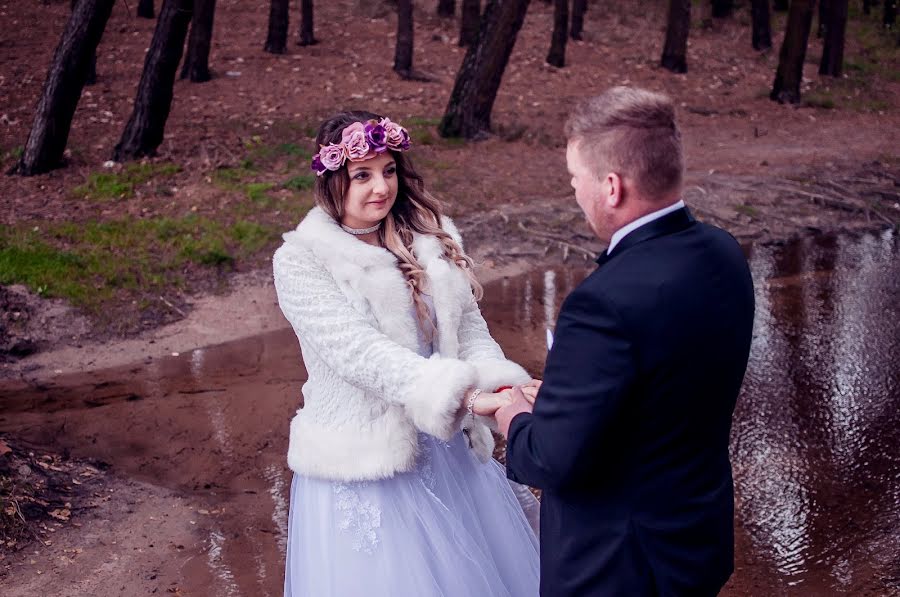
506 404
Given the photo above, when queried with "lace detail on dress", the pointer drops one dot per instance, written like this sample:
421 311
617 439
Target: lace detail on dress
359 517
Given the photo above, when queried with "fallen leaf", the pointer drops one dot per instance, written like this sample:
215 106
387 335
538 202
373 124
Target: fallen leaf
10 510
61 514
4 449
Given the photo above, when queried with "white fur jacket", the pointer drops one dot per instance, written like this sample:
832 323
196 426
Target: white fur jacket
369 392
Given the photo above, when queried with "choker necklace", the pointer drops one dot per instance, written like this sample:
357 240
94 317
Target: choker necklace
361 231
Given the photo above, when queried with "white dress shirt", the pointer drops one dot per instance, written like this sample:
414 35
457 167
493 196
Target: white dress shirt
622 232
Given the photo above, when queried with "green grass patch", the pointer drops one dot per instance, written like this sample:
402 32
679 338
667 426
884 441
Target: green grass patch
302 182
819 99
747 210
91 263
106 186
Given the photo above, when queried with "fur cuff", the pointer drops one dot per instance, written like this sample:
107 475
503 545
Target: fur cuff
493 374
435 399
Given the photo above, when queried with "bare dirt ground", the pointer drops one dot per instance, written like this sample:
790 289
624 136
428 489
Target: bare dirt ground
764 171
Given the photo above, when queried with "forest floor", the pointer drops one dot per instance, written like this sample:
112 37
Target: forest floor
104 264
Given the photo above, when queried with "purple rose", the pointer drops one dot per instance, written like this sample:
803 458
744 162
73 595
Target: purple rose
376 136
332 156
317 166
354 139
395 135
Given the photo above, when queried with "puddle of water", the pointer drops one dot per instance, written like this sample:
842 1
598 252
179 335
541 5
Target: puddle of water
817 471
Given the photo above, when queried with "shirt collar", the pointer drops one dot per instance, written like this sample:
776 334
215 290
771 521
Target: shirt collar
622 232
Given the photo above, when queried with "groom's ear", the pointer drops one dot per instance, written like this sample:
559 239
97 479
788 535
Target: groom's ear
613 190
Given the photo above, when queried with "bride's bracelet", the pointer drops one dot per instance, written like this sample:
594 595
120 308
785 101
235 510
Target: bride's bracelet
470 404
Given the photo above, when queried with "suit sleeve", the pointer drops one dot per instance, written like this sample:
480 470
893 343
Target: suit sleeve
588 374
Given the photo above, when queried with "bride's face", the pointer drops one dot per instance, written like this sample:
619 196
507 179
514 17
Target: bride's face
372 191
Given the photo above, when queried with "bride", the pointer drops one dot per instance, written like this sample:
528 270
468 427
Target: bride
395 492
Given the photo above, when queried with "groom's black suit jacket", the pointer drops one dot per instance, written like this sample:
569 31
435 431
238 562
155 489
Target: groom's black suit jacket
629 435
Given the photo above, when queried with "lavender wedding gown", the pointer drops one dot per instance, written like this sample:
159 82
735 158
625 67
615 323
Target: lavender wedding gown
453 527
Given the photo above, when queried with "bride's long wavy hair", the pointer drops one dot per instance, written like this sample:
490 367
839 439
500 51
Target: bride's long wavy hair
414 211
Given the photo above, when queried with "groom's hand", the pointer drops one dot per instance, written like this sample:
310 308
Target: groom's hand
505 415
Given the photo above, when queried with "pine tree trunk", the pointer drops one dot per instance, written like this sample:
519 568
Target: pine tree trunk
786 88
472 100
92 69
674 57
196 61
557 54
144 131
579 7
823 18
276 40
145 9
306 24
781 5
722 9
65 80
446 8
762 27
403 52
890 14
469 22
833 50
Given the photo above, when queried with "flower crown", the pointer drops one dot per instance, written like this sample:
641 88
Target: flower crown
361 142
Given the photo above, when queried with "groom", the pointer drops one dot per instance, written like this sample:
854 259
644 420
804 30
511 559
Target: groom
629 435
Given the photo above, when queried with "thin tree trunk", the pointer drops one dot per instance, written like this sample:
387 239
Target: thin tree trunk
762 25
196 61
472 100
144 131
65 80
781 5
823 18
279 18
92 70
674 57
446 8
306 24
722 9
145 9
557 54
403 52
579 7
867 7
469 22
833 50
890 13
786 88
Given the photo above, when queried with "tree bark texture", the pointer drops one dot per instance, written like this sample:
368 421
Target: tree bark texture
92 69
786 88
196 61
579 7
890 14
446 8
144 132
472 99
469 22
762 25
145 9
835 30
823 18
674 57
306 24
62 89
781 5
276 39
403 52
722 9
557 54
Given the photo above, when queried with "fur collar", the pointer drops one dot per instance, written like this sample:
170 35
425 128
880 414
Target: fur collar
377 284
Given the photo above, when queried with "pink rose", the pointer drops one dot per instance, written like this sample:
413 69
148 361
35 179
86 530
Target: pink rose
354 139
332 156
396 136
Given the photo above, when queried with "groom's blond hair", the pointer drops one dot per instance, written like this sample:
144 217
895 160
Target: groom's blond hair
633 133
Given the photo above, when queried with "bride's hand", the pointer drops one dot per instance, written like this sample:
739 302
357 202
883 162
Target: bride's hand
487 403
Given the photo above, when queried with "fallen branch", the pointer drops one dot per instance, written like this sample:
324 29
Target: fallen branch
563 242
